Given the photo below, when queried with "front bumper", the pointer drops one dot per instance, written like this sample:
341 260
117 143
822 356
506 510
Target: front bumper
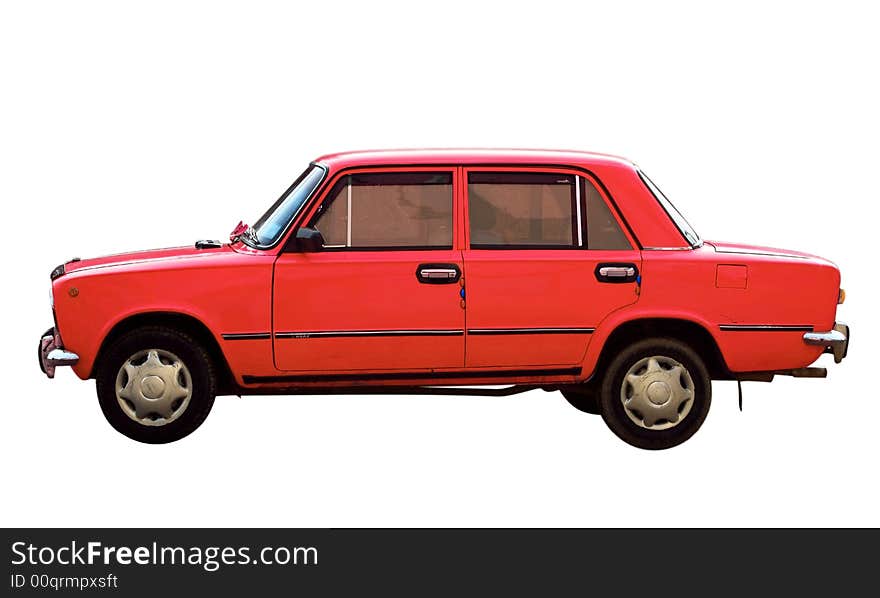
835 341
51 353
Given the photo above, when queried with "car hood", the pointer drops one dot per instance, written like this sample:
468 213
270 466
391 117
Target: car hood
142 257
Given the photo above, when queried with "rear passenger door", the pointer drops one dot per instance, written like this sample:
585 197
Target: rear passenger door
545 260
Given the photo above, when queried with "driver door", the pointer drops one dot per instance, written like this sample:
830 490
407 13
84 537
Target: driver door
383 293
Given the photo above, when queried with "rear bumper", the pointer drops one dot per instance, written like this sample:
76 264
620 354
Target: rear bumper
51 353
835 341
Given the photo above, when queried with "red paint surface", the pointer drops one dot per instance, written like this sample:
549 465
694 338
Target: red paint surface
230 290
731 276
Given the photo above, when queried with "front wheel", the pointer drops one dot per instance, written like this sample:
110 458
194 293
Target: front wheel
656 393
155 385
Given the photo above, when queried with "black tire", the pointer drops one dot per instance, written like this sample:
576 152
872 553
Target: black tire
51 331
193 356
582 400
615 415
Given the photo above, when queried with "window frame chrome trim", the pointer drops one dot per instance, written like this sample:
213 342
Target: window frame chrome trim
688 248
577 203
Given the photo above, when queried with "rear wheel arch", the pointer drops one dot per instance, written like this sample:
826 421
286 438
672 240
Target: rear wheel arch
185 323
692 333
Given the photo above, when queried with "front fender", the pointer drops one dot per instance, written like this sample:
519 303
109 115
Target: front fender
232 298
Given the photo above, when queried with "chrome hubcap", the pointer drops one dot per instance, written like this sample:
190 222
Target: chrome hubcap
657 392
153 387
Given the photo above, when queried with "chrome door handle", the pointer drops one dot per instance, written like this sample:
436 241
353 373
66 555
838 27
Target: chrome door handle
438 273
617 271
611 272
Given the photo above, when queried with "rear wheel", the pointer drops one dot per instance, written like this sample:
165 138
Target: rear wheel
656 393
155 385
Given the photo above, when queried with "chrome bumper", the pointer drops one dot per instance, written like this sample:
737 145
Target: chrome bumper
835 341
51 354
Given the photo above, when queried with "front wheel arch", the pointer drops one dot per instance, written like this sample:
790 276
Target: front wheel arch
184 323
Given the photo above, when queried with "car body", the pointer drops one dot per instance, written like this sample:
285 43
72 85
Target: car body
423 270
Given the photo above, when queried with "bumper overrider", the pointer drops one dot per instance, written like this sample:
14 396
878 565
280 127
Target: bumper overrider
51 353
835 341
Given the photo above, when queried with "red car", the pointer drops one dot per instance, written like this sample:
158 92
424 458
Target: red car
448 272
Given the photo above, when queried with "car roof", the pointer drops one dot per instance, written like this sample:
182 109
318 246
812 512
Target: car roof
467 156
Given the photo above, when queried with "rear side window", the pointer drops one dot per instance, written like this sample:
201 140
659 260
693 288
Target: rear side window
388 210
511 210
519 209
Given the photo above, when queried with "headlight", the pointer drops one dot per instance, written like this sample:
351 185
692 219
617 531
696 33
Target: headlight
841 296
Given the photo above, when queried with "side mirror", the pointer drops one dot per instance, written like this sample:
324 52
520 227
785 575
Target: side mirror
309 240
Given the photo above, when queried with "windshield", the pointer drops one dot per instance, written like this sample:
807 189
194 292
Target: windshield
686 229
271 225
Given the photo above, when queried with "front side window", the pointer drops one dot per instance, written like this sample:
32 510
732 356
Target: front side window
388 210
509 210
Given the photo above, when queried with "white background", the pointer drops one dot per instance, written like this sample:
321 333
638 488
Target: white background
133 126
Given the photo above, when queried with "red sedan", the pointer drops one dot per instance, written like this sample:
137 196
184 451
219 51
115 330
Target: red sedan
448 272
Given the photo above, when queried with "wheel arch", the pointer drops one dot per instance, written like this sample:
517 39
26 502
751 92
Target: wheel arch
693 333
182 322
